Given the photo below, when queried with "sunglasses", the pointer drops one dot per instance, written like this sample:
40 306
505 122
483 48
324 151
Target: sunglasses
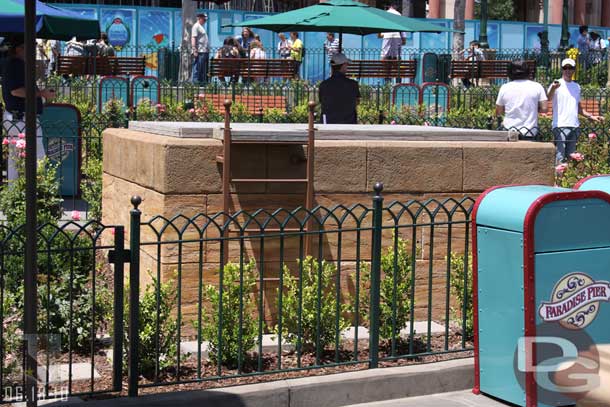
567 68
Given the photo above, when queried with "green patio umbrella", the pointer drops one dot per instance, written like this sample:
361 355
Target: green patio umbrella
343 16
51 22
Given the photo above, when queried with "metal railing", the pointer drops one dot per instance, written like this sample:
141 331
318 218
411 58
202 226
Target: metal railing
250 275
164 62
80 305
220 286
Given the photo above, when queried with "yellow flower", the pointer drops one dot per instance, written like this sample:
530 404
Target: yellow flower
573 53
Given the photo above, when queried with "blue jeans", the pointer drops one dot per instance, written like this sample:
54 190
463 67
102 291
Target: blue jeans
200 67
565 142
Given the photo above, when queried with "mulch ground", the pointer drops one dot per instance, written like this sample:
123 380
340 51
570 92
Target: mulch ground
296 366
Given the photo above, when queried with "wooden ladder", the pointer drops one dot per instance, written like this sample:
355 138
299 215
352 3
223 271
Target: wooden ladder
227 179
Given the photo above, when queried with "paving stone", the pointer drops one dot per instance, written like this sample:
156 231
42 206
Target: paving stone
270 343
452 399
60 372
420 327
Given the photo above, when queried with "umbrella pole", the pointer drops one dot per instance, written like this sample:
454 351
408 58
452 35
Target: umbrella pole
340 41
30 295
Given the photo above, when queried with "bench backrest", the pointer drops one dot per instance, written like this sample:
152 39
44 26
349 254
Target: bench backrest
382 68
98 65
252 68
492 69
465 69
500 68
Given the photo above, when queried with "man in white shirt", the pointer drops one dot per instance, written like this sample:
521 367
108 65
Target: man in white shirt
331 45
201 49
565 95
520 101
392 41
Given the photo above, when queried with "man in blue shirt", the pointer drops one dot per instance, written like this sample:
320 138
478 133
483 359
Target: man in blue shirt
13 93
339 95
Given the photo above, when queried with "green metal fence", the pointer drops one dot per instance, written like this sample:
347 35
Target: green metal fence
304 277
206 293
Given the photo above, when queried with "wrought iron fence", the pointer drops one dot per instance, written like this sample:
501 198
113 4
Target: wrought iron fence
80 306
266 292
247 294
164 62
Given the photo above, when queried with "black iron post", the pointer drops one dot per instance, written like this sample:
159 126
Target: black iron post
134 297
565 34
119 264
375 276
483 32
30 288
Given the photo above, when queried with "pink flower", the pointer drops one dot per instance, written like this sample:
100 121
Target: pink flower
75 215
393 122
20 144
22 154
201 96
577 156
21 136
5 141
592 136
561 168
191 111
13 141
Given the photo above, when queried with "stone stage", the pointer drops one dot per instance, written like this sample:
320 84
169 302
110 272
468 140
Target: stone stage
174 168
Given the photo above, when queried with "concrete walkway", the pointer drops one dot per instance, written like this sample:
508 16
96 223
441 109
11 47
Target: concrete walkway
463 398
366 386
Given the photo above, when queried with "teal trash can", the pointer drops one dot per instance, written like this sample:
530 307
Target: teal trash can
541 266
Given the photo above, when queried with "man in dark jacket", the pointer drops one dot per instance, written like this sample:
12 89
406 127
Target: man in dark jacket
339 95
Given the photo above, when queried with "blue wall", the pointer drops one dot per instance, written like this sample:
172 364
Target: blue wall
160 27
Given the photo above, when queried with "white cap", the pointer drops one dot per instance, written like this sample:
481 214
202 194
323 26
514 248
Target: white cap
339 59
568 61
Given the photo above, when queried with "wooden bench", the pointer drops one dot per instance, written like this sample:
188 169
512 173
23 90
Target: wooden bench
89 65
465 69
254 103
487 69
252 68
382 68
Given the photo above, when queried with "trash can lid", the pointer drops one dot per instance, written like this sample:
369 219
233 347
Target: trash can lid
506 207
594 183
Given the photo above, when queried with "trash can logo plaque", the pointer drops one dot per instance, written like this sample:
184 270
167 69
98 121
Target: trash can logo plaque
575 301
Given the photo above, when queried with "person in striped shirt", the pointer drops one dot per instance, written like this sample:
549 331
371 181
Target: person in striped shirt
331 45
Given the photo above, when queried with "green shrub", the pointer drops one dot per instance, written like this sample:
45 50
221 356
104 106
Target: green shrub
300 113
303 294
394 291
165 340
459 276
368 113
274 115
115 113
241 114
145 111
237 304
91 187
65 262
